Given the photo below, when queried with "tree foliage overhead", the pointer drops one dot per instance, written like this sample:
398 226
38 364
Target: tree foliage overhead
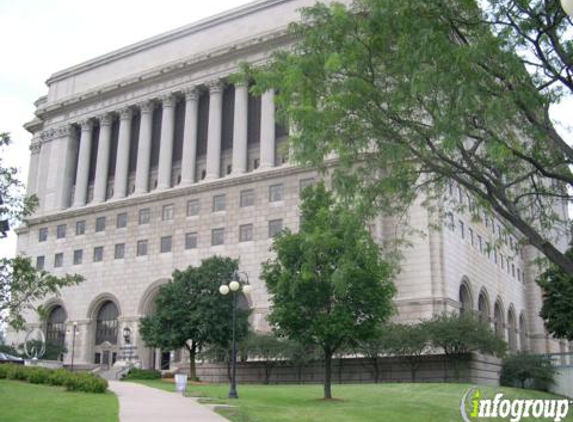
425 93
328 282
191 313
557 309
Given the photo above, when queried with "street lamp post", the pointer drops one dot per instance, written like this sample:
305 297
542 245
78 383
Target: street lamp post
234 285
74 332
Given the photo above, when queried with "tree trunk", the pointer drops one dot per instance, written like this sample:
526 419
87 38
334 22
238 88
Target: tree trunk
327 374
268 370
376 370
192 366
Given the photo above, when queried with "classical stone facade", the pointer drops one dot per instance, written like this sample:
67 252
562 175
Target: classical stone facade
149 159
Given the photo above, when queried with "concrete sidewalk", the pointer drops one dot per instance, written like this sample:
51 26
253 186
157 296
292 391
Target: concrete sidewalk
138 403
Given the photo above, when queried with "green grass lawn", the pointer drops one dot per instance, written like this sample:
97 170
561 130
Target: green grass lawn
356 403
23 402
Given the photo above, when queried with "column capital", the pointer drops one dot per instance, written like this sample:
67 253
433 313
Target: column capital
35 147
167 100
215 86
125 113
47 135
64 130
191 93
105 119
86 124
145 106
241 83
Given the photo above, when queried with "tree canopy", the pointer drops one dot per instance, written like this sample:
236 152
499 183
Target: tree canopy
557 309
191 313
329 285
411 96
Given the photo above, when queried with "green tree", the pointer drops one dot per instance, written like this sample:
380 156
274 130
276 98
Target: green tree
191 313
413 95
518 369
22 286
557 311
409 342
461 334
373 348
269 349
328 283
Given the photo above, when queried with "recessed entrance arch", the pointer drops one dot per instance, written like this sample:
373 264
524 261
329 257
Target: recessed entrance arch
104 313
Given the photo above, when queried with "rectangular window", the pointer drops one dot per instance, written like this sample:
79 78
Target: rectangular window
142 247
43 234
191 240
495 255
219 203
193 207
144 216
275 227
488 249
100 224
276 193
460 196
502 261
165 245
58 260
480 243
167 212
121 221
78 256
98 254
485 219
247 198
80 227
471 233
513 270
61 231
218 236
245 233
40 262
462 229
518 275
119 252
304 183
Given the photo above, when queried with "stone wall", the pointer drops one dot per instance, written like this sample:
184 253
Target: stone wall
473 368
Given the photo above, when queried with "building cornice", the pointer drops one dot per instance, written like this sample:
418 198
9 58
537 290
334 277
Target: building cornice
183 31
262 43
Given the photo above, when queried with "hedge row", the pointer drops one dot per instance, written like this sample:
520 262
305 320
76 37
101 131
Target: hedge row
73 381
142 374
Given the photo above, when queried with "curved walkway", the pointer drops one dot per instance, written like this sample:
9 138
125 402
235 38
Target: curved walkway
139 403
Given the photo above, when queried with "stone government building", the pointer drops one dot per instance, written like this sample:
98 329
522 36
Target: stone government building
149 159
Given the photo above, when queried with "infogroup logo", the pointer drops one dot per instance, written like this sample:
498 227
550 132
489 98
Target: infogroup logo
512 409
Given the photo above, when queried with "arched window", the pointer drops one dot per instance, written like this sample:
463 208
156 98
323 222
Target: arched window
483 307
55 328
524 346
512 330
498 320
465 298
106 328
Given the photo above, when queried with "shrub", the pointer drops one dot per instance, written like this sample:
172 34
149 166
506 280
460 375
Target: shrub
88 383
59 377
38 375
527 371
17 372
142 374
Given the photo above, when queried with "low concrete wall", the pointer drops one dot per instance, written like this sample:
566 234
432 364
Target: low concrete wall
473 368
563 381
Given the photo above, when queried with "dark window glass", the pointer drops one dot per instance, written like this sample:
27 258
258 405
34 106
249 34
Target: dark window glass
100 224
106 327
165 245
61 231
121 220
43 234
55 326
80 227
191 240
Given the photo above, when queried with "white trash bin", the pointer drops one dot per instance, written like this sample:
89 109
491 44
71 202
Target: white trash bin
181 383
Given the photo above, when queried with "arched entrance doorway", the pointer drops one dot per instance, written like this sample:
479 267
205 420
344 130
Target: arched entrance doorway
106 334
56 333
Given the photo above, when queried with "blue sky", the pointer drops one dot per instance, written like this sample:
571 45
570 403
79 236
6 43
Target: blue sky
40 37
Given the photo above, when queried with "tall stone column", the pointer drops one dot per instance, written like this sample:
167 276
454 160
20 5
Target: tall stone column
61 168
267 129
35 148
102 163
83 169
43 170
144 148
166 144
240 128
122 161
214 131
190 136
